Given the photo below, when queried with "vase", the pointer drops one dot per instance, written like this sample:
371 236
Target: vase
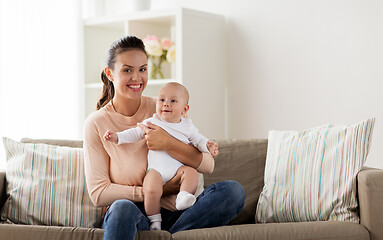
155 71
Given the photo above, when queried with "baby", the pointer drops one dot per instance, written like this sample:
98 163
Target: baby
171 108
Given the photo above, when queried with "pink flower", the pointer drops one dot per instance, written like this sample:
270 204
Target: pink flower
151 38
163 48
153 45
166 43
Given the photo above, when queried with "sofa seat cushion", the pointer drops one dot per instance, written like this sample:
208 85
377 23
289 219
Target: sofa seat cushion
334 230
36 232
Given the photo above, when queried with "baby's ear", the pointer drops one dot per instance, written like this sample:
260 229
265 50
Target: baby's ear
186 109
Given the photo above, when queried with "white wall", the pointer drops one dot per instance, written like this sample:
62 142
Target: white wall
295 64
40 70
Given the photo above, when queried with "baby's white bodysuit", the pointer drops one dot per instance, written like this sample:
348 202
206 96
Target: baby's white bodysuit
161 161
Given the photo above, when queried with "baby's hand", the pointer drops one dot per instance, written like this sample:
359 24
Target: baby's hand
111 136
213 148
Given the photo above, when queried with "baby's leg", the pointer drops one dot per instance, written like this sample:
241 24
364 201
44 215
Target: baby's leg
189 184
189 180
152 188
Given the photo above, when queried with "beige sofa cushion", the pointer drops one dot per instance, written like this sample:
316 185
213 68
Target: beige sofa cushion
244 162
57 142
329 230
370 193
18 231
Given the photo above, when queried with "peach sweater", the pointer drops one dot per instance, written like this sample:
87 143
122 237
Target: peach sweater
117 171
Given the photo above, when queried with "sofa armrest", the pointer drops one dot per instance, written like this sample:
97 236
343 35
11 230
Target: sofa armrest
3 187
370 195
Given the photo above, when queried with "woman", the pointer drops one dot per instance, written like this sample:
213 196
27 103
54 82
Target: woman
115 173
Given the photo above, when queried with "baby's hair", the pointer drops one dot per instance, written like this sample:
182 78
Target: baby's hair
180 86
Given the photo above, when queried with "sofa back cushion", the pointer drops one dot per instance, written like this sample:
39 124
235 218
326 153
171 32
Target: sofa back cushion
56 142
244 162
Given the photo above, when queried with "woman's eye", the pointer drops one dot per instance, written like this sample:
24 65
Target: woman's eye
143 70
127 70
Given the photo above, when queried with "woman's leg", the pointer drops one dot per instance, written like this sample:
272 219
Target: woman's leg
217 205
122 221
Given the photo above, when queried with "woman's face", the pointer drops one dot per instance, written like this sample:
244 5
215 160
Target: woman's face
129 75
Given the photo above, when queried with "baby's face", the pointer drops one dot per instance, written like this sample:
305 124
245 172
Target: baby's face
171 104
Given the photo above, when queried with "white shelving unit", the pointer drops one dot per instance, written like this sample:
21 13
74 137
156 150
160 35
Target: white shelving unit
200 59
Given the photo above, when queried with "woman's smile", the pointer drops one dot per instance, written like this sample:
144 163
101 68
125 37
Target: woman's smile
135 87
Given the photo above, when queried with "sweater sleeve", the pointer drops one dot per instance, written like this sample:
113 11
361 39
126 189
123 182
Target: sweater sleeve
207 164
101 190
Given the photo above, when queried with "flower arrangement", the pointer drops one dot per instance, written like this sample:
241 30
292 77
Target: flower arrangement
159 50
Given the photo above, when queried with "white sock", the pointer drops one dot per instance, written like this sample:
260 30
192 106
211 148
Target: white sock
184 200
155 221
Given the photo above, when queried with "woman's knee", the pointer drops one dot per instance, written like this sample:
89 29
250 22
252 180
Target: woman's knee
232 192
123 208
124 219
235 188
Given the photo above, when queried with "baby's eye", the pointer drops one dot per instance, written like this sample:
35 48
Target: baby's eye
161 100
173 101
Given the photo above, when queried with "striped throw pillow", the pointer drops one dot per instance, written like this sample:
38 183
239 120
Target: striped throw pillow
46 186
310 175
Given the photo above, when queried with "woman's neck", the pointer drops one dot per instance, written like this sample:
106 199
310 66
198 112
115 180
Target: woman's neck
126 106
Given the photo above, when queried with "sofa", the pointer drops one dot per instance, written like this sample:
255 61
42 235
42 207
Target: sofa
249 156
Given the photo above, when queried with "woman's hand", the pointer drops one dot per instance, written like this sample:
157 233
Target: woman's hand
156 138
172 186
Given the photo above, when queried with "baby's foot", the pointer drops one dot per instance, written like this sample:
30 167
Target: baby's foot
155 221
184 200
155 226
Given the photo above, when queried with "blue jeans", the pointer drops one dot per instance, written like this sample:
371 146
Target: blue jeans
217 205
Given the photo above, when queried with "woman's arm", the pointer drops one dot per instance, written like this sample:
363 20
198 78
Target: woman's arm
158 139
101 190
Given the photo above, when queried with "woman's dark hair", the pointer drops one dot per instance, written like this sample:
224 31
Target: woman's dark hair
120 45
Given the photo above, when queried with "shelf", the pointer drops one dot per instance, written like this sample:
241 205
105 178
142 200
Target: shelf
157 16
152 16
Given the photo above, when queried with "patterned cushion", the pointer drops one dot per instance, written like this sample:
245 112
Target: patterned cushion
46 186
310 175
